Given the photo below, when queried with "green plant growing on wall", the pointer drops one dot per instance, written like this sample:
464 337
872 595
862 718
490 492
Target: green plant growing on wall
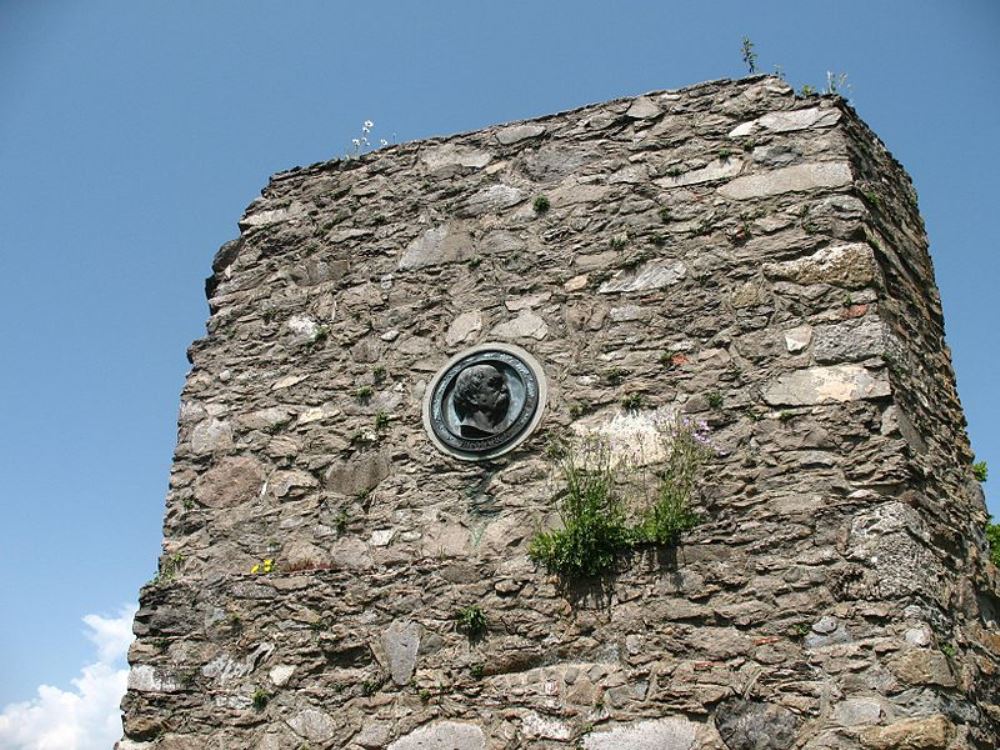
633 401
381 420
836 84
980 471
594 531
993 537
714 400
541 204
260 699
687 450
169 568
472 621
319 337
749 56
596 527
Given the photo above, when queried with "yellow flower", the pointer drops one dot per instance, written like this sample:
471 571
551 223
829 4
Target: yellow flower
268 565
255 569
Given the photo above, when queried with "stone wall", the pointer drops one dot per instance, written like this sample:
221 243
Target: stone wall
728 251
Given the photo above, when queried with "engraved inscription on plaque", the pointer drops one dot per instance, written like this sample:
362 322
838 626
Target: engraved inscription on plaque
485 401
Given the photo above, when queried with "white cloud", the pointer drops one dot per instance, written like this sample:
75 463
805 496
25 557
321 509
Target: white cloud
87 716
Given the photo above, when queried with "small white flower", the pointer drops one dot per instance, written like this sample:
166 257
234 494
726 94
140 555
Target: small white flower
383 142
356 142
369 124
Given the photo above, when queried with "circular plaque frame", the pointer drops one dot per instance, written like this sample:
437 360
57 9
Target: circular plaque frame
525 392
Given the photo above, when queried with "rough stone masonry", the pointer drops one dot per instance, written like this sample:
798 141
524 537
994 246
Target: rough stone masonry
729 251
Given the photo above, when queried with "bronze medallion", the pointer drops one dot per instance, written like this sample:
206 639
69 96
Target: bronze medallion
485 401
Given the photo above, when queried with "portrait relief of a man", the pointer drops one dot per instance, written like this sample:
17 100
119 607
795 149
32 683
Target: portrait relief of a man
481 399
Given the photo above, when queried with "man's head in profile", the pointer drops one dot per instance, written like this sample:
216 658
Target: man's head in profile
481 399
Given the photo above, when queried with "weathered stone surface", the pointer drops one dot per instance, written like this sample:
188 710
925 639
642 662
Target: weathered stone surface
446 243
146 679
851 266
272 216
798 338
658 734
755 725
517 133
923 667
858 711
280 674
211 435
645 278
397 648
929 733
849 342
232 481
463 327
358 475
443 735
766 289
719 169
643 108
313 725
817 385
455 155
782 122
797 178
527 325
536 726
493 198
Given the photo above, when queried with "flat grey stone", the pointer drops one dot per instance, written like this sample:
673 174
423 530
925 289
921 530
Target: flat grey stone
146 679
442 735
494 198
516 133
313 725
652 275
232 481
818 385
537 726
850 341
797 339
313 272
851 265
442 244
359 475
464 326
527 325
656 734
797 178
643 108
281 674
827 636
399 646
528 301
720 169
374 736
858 711
351 554
455 155
211 435
272 216
825 625
782 122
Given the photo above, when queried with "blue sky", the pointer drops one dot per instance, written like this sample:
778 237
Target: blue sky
133 135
